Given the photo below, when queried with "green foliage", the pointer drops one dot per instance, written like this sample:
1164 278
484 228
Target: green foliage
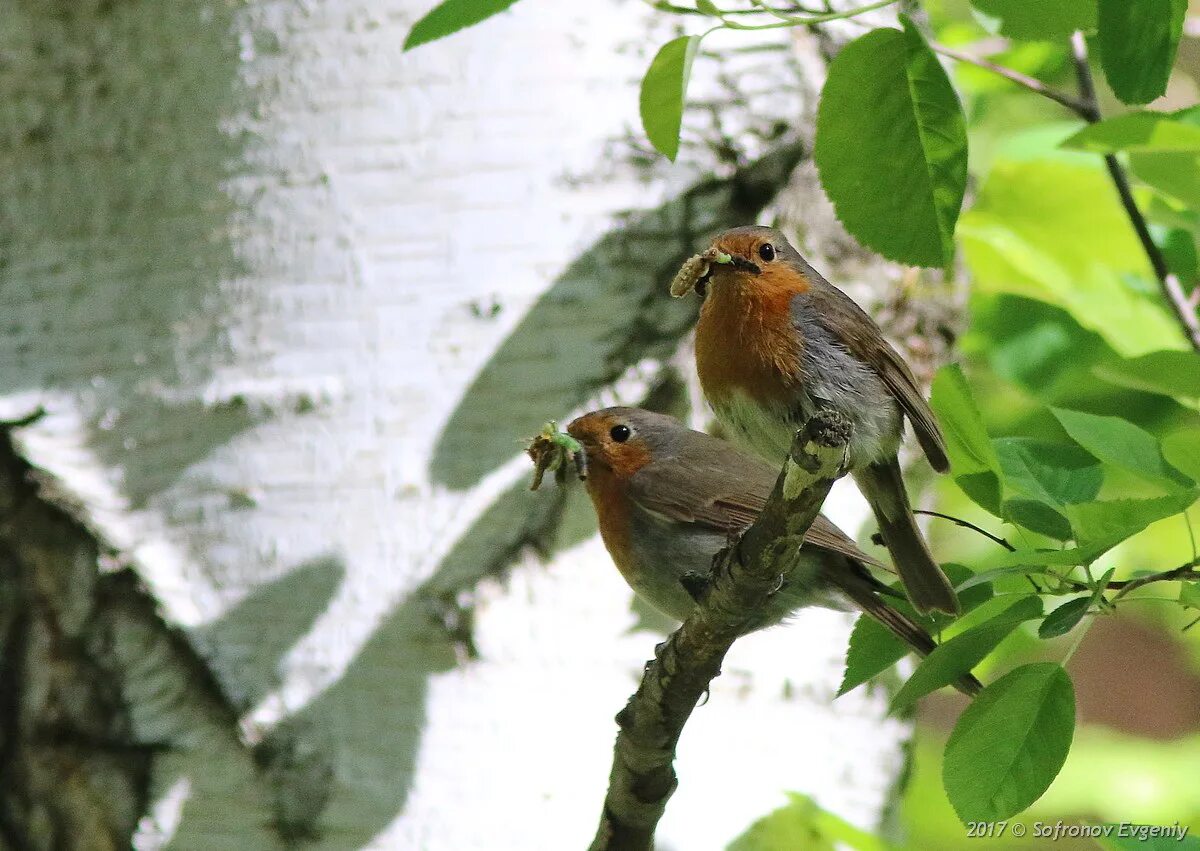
960 654
450 16
1072 247
1136 131
803 824
664 89
892 146
1120 443
1043 478
1100 526
1065 618
873 649
1138 40
973 460
1010 743
1039 21
1182 451
1169 373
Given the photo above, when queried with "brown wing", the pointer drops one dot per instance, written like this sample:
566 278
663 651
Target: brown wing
721 488
847 321
712 484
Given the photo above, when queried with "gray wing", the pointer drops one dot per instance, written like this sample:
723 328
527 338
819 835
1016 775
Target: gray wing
846 321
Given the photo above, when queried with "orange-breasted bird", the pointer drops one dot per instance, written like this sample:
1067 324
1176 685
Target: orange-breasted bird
775 342
668 499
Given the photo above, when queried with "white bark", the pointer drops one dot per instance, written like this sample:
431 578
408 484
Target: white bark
252 274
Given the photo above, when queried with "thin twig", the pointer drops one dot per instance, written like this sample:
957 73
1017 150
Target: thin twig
1168 281
743 578
958 521
1032 83
1183 572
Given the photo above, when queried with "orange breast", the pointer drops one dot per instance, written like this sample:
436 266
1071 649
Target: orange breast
745 340
613 513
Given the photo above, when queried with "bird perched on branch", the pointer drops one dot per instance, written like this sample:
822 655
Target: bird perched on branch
775 342
668 499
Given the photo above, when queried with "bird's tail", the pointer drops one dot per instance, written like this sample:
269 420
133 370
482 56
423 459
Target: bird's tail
927 587
863 590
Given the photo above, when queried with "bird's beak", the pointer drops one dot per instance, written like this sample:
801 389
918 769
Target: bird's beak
740 264
744 265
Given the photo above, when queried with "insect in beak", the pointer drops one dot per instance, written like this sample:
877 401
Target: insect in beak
554 451
745 265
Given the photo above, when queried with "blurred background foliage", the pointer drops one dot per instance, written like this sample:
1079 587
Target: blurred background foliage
1064 309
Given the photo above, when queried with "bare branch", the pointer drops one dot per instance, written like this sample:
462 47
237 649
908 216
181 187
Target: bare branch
744 577
1024 80
1178 301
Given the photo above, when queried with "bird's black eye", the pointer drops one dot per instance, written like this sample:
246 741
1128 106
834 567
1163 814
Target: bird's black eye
620 433
766 251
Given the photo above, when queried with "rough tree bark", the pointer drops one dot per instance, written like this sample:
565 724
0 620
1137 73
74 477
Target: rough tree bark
288 298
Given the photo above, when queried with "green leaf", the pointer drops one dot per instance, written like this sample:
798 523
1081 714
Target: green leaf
803 824
1027 568
1037 516
1010 743
960 654
1120 443
1100 526
1189 594
1137 42
1063 619
1055 473
1072 248
1047 476
1169 373
970 597
891 146
1040 21
1176 174
973 460
664 92
1179 249
450 16
873 649
1136 131
1182 450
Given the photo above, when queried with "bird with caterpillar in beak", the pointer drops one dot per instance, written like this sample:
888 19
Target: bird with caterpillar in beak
668 498
775 342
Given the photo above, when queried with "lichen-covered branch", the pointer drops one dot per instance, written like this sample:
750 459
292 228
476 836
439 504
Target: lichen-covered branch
743 578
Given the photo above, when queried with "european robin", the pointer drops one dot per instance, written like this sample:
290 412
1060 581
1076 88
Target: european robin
775 342
668 499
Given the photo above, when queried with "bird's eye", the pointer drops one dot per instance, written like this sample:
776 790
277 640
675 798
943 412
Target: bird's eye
766 251
620 433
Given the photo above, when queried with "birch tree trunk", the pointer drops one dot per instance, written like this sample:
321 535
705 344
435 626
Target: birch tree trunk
287 299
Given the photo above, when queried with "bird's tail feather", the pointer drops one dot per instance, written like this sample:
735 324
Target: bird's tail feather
926 584
863 589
